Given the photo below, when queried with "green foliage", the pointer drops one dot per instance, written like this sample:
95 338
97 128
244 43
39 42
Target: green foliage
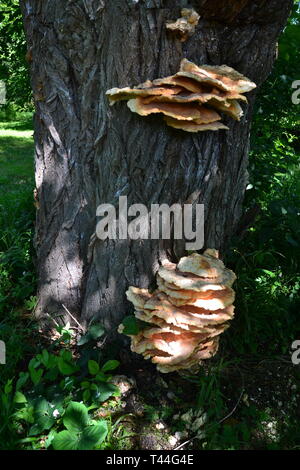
17 212
132 325
82 433
35 400
16 217
95 332
267 259
13 66
49 404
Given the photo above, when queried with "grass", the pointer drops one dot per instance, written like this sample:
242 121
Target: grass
16 157
17 279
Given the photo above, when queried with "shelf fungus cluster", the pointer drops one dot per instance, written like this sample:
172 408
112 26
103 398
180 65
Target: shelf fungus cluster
185 316
184 26
192 99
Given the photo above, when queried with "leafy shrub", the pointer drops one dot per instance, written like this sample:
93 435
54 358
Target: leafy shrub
49 405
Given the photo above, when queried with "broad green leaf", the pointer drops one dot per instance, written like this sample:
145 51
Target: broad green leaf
86 395
85 384
36 375
65 440
23 377
20 397
45 356
8 387
101 377
43 416
50 438
66 367
110 365
89 438
26 414
105 391
130 325
96 331
93 367
84 339
76 417
33 363
93 436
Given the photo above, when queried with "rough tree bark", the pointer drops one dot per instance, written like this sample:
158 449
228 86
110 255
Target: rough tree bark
88 154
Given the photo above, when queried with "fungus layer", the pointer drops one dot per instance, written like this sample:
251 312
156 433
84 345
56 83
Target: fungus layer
184 26
186 314
190 100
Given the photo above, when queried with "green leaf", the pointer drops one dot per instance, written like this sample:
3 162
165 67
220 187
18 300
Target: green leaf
52 374
76 417
101 377
36 375
66 367
110 365
86 395
131 326
88 439
85 384
270 273
50 438
65 440
93 367
26 414
45 357
23 377
93 436
43 416
33 363
105 391
84 339
20 397
291 240
8 387
96 331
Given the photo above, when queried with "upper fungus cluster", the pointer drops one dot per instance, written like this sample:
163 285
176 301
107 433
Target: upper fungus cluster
191 99
184 26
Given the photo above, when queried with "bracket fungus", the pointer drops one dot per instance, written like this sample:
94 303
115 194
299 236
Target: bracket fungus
186 314
185 26
190 100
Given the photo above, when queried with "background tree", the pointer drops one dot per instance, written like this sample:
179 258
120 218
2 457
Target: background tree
13 64
88 154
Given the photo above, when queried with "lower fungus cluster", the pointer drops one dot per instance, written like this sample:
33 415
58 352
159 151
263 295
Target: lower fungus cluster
191 99
187 313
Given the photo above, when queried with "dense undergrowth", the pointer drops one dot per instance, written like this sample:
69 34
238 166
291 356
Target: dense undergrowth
60 393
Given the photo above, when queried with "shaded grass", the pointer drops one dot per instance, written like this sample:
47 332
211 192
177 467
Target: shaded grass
16 162
17 212
20 121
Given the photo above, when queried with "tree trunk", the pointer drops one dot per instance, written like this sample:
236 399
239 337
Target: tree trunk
88 154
